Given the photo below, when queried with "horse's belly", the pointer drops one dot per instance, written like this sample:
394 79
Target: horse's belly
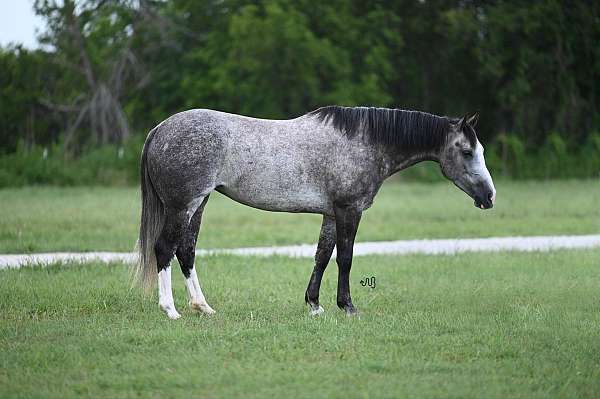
276 194
275 172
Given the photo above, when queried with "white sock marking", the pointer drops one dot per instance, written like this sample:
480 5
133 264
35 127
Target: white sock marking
197 299
165 294
314 312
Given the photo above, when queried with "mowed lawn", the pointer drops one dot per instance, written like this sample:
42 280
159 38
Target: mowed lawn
512 325
37 219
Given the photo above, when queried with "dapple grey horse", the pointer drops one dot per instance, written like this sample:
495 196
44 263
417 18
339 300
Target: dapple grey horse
331 161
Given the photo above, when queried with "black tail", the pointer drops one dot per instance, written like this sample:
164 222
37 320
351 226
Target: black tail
152 220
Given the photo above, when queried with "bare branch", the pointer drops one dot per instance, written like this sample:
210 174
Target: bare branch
71 130
75 31
73 107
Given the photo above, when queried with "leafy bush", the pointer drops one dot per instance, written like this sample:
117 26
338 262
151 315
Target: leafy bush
508 156
590 155
106 165
557 161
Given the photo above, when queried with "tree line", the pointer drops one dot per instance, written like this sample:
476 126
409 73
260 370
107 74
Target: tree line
107 70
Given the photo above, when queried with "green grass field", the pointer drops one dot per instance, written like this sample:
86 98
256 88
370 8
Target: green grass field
84 219
516 325
493 325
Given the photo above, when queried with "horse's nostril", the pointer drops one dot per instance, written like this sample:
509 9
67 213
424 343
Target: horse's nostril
491 196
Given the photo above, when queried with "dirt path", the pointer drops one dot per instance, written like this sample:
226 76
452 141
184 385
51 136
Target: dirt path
447 246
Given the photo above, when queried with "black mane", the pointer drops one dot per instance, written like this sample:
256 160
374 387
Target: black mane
410 129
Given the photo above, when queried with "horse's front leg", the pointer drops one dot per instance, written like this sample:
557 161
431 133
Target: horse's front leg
346 222
324 249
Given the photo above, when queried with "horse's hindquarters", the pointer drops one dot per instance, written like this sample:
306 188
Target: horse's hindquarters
185 159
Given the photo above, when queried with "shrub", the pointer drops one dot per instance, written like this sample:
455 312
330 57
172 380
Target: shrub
508 155
590 155
106 165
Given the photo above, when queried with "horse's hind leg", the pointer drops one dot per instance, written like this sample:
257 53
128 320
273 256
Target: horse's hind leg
176 222
186 255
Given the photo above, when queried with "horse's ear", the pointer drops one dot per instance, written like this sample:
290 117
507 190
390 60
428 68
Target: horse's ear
472 121
462 123
468 129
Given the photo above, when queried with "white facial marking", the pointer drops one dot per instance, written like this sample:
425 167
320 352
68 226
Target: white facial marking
165 294
196 297
480 169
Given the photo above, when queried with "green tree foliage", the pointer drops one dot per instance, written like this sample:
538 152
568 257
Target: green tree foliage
542 64
92 41
108 67
267 62
24 78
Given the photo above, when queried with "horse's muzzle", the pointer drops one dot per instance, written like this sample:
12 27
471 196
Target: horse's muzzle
485 200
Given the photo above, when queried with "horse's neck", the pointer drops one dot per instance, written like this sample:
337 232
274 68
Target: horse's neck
401 159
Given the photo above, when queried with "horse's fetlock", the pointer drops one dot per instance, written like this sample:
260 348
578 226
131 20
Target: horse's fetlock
311 299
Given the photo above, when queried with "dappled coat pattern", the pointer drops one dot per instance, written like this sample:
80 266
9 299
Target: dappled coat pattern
331 161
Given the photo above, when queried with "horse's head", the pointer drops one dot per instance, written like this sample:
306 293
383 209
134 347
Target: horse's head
462 162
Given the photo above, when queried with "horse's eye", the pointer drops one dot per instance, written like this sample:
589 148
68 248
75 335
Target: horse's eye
467 153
